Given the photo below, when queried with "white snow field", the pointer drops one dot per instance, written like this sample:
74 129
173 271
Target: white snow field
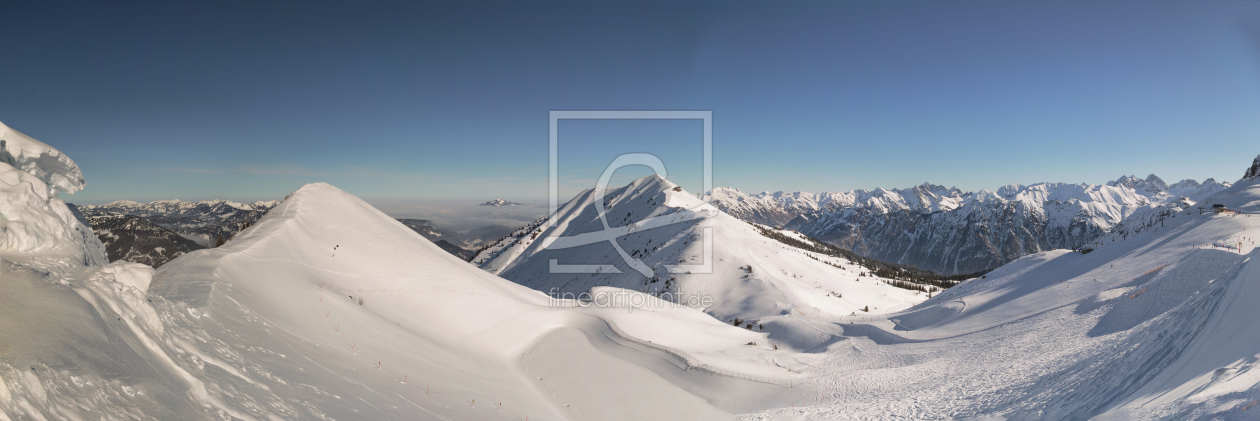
329 309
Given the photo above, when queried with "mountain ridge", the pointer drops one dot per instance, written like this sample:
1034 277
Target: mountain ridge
947 230
661 229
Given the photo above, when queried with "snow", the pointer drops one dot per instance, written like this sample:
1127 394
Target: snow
57 171
181 207
39 230
663 231
1140 328
1127 191
954 232
270 326
1152 327
328 309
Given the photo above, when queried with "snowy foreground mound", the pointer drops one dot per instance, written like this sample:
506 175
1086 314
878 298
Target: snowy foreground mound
329 309
39 229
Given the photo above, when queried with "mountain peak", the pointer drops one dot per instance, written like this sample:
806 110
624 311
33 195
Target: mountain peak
1152 184
653 180
499 202
1254 171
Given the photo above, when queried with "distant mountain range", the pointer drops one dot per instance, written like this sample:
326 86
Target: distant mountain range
205 222
950 231
933 227
136 239
500 202
157 232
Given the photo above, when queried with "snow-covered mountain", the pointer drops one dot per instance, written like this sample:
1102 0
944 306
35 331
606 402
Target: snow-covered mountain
205 222
1146 325
134 239
1154 325
218 209
328 309
499 202
950 231
1157 190
669 236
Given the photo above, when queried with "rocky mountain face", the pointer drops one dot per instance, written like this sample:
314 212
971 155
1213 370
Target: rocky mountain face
1254 171
136 239
950 231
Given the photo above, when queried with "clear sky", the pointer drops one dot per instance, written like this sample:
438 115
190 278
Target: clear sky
402 100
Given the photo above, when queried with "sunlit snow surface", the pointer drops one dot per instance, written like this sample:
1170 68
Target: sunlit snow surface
1158 326
270 326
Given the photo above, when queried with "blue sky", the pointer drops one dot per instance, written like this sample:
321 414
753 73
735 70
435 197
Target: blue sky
415 100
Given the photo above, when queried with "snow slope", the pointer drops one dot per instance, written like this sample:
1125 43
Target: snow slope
271 326
1159 325
1152 325
329 309
663 229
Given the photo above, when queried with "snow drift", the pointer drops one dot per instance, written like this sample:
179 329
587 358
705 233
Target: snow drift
39 230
